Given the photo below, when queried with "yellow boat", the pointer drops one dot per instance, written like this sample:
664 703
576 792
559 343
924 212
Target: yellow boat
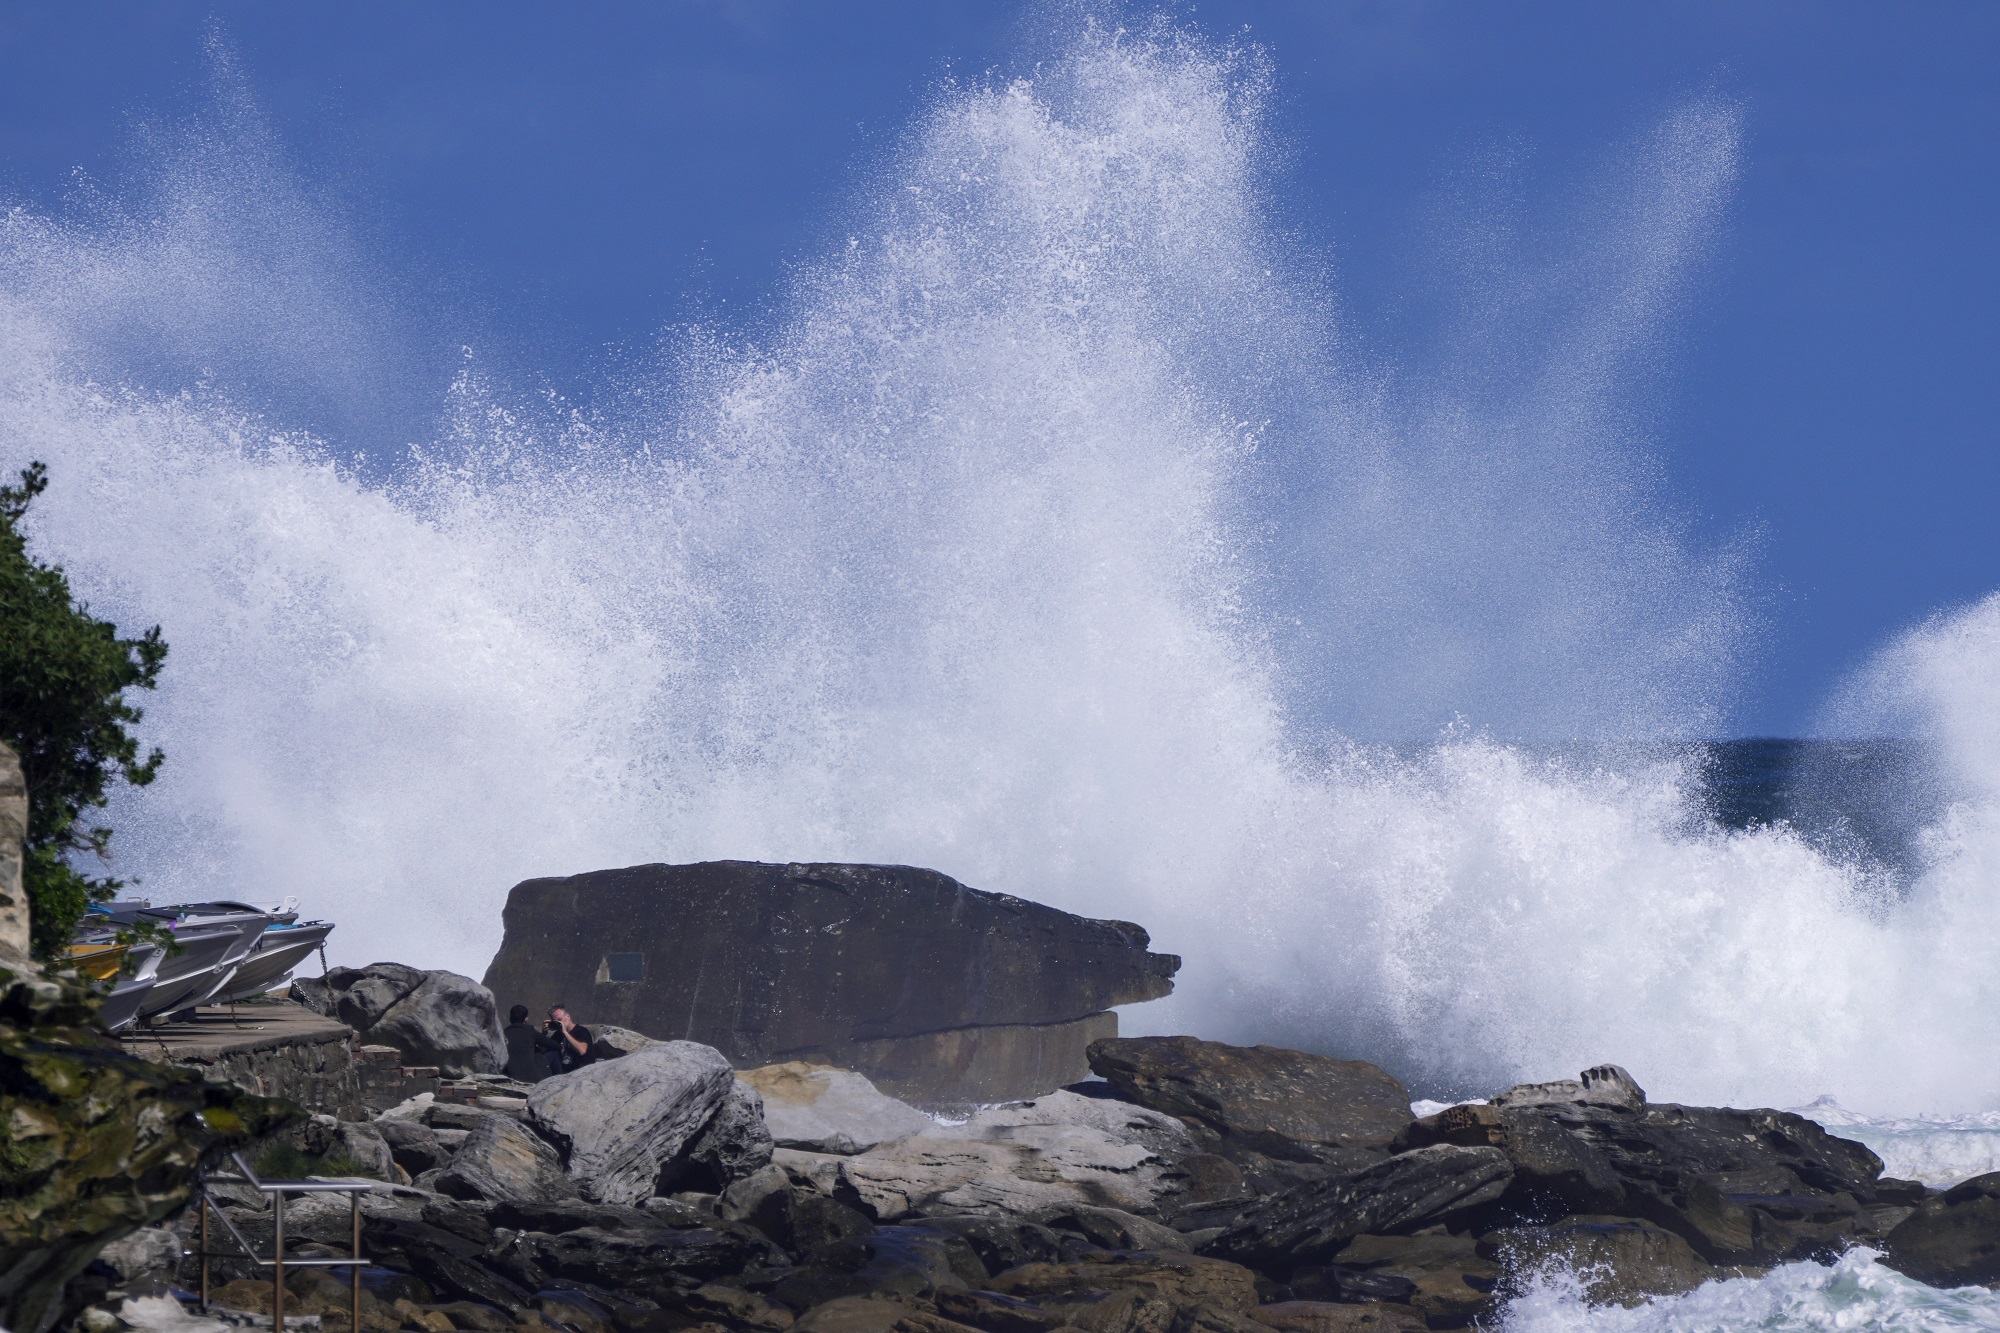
100 962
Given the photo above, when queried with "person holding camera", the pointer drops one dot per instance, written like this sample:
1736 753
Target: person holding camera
528 1051
572 1041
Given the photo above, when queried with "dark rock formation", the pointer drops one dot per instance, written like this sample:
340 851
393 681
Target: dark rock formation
891 1262
1258 1099
1738 1186
1002 1242
1316 1316
1618 1260
412 1145
1139 1291
94 1144
734 1145
1307 1223
1953 1238
432 1018
1443 1277
931 988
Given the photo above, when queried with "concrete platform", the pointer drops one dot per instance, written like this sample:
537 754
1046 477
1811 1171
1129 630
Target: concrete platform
270 1047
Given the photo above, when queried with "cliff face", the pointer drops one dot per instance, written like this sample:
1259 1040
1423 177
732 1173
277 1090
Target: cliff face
13 831
858 965
94 1143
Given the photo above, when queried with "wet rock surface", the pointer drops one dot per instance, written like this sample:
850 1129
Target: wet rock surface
1953 1238
1619 1260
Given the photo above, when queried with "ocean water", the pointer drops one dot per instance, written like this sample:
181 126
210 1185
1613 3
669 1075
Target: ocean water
1057 532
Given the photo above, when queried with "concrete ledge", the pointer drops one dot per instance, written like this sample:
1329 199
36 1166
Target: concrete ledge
271 1048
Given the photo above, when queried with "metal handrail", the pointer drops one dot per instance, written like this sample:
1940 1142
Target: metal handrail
278 1190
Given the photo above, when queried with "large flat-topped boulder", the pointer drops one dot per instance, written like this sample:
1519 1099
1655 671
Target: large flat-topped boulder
862 966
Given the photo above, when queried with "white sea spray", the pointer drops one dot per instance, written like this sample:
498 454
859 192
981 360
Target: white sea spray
1044 541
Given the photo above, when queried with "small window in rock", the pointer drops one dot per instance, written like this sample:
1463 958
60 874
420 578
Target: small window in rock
625 967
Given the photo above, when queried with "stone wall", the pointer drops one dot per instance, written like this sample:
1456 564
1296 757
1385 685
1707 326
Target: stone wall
285 1051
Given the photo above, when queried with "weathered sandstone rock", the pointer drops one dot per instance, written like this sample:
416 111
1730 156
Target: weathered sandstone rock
1739 1186
656 1263
1026 1159
1000 1241
413 1145
1140 1292
1115 1229
619 1122
820 1109
609 1041
1554 1170
1262 1099
1124 1122
828 962
868 1314
1335 1317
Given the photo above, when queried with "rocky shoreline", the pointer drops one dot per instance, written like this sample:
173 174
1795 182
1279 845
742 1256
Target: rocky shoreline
1190 1186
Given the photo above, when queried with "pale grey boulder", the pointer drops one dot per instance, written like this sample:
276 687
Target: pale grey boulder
449 1021
147 1250
609 1041
432 1018
503 1163
413 1144
365 1146
618 1123
1600 1085
1027 1170
817 1108
361 995
1122 1121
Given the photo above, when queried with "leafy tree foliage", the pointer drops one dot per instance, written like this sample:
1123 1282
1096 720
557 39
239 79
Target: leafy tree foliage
63 678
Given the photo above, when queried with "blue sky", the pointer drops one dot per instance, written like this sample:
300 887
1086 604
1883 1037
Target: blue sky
556 181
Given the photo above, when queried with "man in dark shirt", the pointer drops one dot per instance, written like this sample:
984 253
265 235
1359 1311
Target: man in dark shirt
527 1049
572 1040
